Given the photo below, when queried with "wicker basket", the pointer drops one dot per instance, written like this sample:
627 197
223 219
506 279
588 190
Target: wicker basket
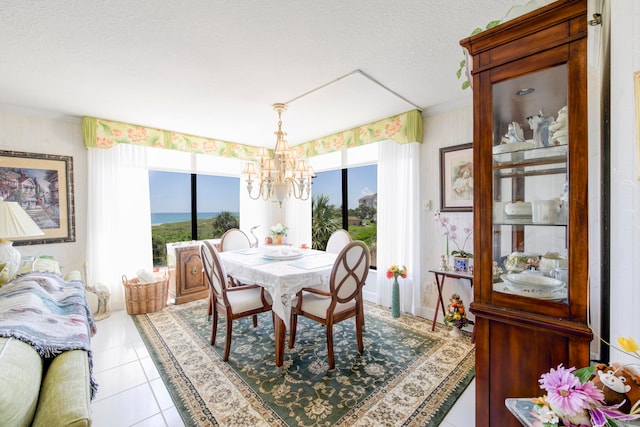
144 298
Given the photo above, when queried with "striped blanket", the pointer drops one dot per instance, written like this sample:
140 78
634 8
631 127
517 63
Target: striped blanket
48 313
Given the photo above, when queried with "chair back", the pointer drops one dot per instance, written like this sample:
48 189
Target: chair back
350 271
234 239
213 269
338 240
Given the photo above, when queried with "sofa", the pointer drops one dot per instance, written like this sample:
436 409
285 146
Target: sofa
45 359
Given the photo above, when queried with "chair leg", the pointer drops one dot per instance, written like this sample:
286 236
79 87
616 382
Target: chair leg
227 345
359 326
255 320
214 327
332 363
210 308
292 332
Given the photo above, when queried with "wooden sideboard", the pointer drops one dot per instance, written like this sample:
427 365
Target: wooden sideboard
186 276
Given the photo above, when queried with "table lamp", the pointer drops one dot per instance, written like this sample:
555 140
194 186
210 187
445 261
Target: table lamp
14 222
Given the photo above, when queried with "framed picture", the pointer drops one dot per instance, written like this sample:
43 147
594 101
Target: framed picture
43 185
456 178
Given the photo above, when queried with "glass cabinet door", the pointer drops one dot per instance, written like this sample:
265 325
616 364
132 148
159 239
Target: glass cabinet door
530 185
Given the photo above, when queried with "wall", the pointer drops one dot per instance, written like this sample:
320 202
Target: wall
625 187
34 133
441 129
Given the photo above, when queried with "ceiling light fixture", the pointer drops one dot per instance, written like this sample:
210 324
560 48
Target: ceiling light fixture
525 91
281 176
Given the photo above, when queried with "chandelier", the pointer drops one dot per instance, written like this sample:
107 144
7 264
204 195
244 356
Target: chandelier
279 176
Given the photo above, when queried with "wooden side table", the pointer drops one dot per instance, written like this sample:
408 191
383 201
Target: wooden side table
186 277
440 276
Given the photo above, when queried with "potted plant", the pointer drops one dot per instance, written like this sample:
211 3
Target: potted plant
278 232
460 256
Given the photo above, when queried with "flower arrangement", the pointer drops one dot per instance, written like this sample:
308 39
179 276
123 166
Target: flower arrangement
576 398
456 313
395 271
450 231
279 230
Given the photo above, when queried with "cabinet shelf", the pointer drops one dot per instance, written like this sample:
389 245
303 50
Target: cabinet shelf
533 157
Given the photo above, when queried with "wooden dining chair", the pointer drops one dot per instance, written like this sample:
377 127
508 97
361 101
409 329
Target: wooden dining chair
342 301
234 239
337 241
231 302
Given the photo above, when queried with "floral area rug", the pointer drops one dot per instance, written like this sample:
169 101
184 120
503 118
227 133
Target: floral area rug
408 375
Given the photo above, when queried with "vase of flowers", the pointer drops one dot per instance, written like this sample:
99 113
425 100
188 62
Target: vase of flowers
456 315
587 396
449 230
394 272
278 232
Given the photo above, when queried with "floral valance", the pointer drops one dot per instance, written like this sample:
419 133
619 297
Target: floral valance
101 133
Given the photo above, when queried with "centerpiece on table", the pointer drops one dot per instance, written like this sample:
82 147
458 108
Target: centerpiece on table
595 396
394 272
278 233
456 316
449 230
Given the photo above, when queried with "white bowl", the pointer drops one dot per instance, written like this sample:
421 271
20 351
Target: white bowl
531 281
518 209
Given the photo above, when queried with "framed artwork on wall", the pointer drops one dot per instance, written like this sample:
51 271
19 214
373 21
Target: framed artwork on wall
456 178
43 185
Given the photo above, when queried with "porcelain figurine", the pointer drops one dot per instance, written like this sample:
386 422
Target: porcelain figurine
514 133
560 128
540 126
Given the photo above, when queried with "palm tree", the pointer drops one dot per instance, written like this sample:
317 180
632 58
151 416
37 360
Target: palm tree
223 222
324 221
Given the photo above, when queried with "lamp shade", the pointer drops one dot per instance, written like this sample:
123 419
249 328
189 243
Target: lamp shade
16 222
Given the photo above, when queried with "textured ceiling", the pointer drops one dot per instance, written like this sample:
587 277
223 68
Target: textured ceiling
214 68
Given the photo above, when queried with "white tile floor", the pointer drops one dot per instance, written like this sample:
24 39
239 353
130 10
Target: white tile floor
131 392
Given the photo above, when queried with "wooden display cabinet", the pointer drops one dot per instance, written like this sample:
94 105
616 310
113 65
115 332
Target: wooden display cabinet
524 71
186 276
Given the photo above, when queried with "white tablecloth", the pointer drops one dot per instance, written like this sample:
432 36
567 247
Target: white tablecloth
282 279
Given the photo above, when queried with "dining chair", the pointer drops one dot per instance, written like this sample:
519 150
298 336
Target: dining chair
337 241
231 302
342 301
234 239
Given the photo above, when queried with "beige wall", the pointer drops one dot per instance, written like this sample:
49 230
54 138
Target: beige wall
39 134
441 129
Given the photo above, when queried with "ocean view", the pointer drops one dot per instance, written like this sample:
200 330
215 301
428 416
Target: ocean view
169 217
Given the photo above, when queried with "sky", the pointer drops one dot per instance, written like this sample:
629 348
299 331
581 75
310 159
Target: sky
362 180
170 191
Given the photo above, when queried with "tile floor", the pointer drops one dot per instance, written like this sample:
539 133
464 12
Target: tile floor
132 393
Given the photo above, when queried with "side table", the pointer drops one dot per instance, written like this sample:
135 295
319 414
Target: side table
440 276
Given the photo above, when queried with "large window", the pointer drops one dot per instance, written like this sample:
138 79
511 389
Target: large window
346 198
188 207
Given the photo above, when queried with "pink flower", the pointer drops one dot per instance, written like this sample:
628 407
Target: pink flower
566 395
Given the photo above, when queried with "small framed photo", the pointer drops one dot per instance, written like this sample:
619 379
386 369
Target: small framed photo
456 178
43 186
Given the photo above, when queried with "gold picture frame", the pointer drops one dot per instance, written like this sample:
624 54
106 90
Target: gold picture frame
43 185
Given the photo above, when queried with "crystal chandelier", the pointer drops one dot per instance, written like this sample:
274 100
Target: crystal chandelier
281 176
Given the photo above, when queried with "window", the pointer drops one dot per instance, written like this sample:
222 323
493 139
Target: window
188 207
346 198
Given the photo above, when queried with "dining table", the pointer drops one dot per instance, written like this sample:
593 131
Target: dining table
282 272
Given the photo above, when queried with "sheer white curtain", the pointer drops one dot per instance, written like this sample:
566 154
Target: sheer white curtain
398 239
119 218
